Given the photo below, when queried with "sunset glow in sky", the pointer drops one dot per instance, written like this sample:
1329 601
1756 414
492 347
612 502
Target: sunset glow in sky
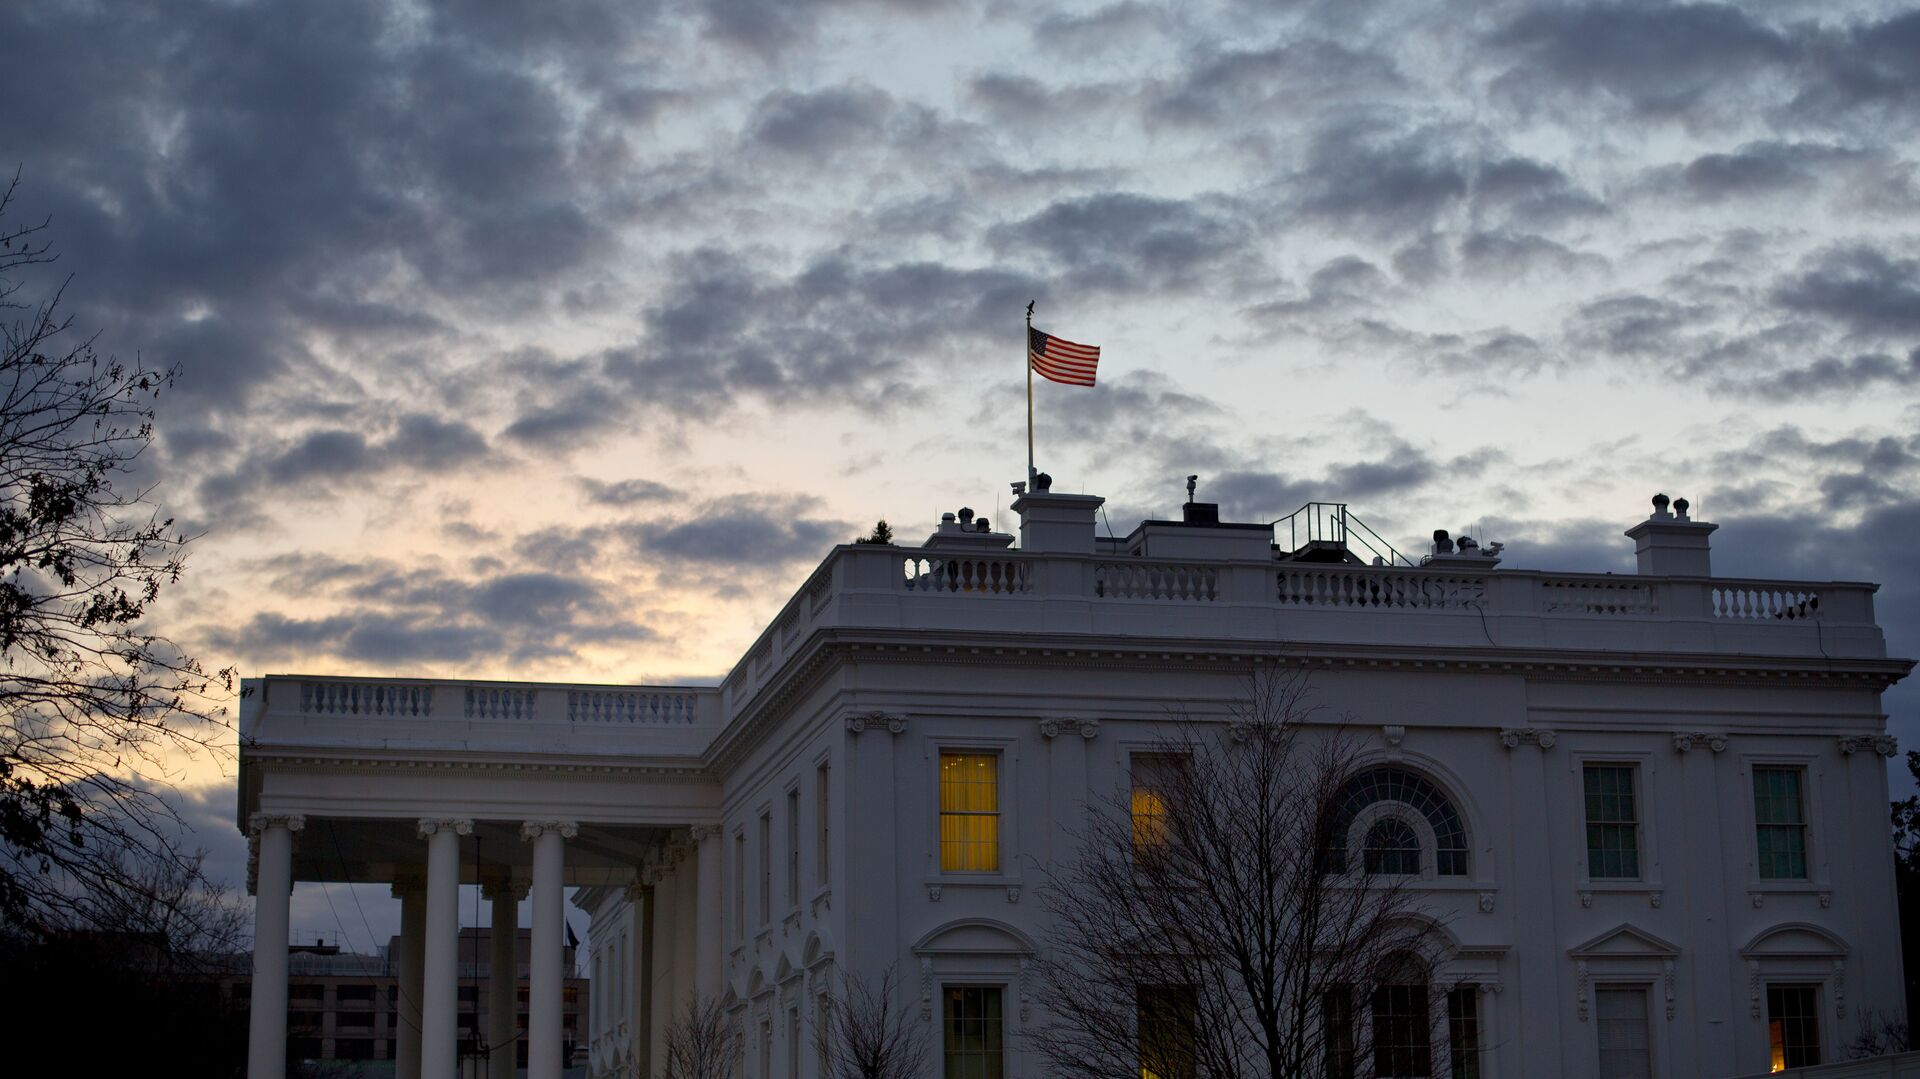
559 341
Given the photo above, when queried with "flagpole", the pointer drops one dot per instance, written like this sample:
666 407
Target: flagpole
1027 352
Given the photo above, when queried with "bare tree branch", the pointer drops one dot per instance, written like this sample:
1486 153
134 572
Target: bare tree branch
866 1035
701 1043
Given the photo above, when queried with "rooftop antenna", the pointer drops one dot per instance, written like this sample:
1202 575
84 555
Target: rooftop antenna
1191 481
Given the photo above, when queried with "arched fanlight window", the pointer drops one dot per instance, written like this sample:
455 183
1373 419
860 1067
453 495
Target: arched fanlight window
1411 789
1392 848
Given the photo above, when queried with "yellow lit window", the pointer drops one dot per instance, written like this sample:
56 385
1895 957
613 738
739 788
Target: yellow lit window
1155 776
969 813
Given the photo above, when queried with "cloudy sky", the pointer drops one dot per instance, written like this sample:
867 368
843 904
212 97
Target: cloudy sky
558 341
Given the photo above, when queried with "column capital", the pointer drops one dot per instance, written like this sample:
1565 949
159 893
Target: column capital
260 822
1514 737
534 829
876 720
1056 726
700 833
1884 744
409 882
457 825
1713 740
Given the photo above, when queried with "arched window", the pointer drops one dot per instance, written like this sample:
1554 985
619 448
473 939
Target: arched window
1416 792
1392 848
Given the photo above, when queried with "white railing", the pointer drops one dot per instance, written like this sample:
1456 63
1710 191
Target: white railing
632 706
1355 587
365 699
1597 596
495 703
984 575
1764 601
1156 580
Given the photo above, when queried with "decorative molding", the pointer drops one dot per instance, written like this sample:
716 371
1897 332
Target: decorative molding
1759 899
1840 988
876 720
534 829
1713 740
1586 899
1580 969
1826 900
1057 726
1013 893
700 833
1026 1008
260 822
1394 733
1753 988
1666 976
926 989
1514 737
933 893
427 826
1884 744
1486 902
1655 898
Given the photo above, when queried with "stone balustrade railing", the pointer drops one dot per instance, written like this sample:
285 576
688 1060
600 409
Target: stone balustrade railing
494 702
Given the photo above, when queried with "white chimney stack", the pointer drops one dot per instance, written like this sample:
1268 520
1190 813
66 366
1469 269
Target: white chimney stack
1671 544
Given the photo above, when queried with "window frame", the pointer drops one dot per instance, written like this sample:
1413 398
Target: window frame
1817 990
1006 1026
739 896
1804 824
1647 776
933 745
823 823
1812 783
1131 763
793 845
1638 822
765 867
1645 988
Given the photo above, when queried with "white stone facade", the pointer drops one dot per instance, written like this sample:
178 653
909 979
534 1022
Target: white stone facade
750 840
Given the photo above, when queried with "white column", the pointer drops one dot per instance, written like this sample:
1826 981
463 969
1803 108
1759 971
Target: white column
439 1004
708 910
663 918
273 890
503 990
411 890
547 973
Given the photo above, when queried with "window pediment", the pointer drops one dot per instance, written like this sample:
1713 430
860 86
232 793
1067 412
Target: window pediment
975 936
1625 941
1795 940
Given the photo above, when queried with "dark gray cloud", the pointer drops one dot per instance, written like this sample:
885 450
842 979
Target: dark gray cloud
1861 288
417 444
760 532
1756 169
1296 76
816 124
1832 375
1637 325
624 492
1126 243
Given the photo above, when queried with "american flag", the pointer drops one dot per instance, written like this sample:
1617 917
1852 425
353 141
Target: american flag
1060 360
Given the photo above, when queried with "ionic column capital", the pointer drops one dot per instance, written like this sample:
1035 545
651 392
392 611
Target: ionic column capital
875 721
260 822
410 882
428 826
1056 726
700 833
534 829
503 889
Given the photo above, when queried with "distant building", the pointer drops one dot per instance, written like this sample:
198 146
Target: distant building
1651 808
346 1006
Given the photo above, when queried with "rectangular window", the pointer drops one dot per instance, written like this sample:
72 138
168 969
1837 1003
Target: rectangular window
1793 1025
1463 1031
1156 777
739 886
1613 823
766 868
793 847
973 1036
1166 1027
1620 1020
1780 815
822 826
793 1044
970 813
1402 1046
1337 1033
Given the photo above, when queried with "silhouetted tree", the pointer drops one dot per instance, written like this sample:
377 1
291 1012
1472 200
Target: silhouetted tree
882 533
701 1043
1214 923
97 711
1906 881
864 1034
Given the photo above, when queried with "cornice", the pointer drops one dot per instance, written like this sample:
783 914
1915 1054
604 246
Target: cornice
579 767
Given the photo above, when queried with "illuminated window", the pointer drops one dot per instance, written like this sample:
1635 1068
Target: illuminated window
973 1037
969 813
1167 1018
1392 848
1793 1025
1156 778
1780 815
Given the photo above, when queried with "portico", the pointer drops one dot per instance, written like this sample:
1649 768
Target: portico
470 785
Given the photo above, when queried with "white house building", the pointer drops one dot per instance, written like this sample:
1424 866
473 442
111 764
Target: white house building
1651 809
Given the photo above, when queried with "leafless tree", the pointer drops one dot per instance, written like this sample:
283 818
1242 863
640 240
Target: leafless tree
1214 926
1878 1035
701 1043
865 1034
97 711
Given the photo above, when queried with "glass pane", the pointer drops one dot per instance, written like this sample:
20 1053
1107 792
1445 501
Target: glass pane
1621 1016
1793 1025
1402 1048
1463 1031
1780 820
1166 1031
969 813
973 1036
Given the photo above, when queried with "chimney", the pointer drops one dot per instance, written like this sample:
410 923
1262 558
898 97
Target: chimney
1671 544
1052 522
